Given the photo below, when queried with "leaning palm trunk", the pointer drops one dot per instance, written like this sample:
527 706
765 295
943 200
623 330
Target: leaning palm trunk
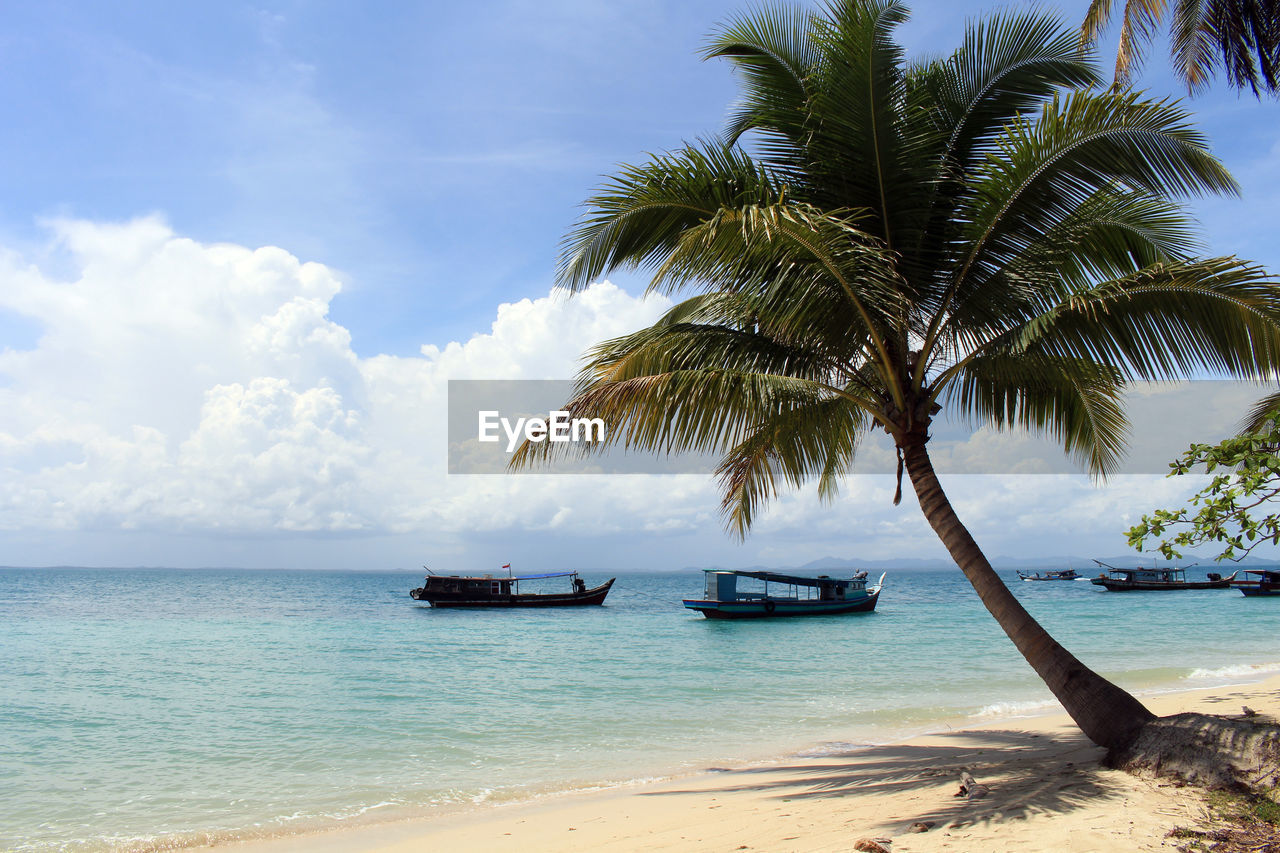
1107 715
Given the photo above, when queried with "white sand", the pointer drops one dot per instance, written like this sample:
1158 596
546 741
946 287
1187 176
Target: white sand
1047 793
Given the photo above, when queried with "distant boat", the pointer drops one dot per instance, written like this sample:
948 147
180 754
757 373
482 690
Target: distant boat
783 595
490 591
1063 575
1267 582
1148 580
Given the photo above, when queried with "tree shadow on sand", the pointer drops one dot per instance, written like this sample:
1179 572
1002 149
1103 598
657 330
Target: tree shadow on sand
1026 773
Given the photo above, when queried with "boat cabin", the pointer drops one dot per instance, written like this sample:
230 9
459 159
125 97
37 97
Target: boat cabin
1169 575
723 586
490 586
477 587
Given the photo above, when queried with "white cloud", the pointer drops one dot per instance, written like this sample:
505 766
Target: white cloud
204 390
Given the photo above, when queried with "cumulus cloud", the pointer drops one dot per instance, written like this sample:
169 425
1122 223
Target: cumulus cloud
205 390
205 387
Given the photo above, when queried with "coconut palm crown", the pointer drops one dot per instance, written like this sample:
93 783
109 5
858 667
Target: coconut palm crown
973 232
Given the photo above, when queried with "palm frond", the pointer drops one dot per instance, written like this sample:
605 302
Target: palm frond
684 386
1007 65
1078 145
637 217
1243 36
774 56
1074 400
669 346
1246 34
1191 43
787 249
819 440
1169 321
1260 414
1111 235
856 147
681 411
1096 19
1141 20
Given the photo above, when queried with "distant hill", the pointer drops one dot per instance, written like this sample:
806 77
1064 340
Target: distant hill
1084 565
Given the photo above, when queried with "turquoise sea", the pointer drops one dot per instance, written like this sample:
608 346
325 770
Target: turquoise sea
154 708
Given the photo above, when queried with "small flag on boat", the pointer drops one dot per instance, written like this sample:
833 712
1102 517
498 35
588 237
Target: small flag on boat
507 566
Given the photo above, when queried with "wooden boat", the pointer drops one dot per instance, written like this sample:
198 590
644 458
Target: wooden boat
1267 582
783 595
1063 575
490 591
1148 580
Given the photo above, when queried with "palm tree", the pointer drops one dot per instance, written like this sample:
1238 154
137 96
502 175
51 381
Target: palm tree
958 233
1242 35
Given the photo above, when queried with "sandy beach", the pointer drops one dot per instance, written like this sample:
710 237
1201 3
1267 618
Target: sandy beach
1047 793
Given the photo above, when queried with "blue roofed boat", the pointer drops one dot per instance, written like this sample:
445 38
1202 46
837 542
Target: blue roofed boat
783 595
1267 582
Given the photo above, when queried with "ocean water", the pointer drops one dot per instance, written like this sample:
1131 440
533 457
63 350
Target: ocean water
142 709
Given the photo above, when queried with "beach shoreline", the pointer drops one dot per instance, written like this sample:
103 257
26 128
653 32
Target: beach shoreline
1048 792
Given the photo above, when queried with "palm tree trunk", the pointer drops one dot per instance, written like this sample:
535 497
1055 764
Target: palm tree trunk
1107 715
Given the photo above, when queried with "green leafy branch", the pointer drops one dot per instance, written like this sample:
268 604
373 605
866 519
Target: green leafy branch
1227 510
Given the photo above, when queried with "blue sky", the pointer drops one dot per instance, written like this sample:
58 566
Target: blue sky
429 157
424 150
432 153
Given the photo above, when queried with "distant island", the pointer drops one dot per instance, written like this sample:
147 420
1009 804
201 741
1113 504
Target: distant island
1009 563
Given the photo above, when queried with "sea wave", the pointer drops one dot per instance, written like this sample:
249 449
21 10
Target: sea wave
1248 671
1015 709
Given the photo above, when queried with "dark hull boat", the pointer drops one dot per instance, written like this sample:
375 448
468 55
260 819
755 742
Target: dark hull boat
1123 585
790 596
758 610
461 591
1267 583
1156 580
1063 575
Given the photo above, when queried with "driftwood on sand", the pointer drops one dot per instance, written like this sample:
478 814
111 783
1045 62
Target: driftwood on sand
970 787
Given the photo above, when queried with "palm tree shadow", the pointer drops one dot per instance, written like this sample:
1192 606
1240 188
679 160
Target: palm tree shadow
1026 773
